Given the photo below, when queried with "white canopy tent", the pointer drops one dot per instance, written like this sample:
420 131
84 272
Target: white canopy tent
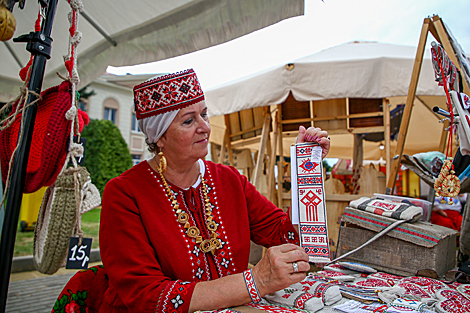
353 70
138 32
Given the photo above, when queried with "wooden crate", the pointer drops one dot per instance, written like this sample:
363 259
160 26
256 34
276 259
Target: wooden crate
404 250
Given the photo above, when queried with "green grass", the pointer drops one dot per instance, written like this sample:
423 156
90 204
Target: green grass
90 227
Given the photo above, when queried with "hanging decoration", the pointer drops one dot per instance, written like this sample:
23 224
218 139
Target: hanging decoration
7 22
447 184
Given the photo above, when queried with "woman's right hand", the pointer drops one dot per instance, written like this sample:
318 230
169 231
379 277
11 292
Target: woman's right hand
275 271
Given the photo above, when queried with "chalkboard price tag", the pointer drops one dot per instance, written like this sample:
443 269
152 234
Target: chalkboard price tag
78 255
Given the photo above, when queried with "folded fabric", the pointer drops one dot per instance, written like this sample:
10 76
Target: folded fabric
451 301
329 293
297 299
336 275
399 211
358 267
405 305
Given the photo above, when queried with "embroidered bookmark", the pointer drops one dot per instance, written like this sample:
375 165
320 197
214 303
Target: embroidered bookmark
251 286
309 201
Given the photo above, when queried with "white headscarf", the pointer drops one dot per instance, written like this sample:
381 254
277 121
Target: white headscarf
155 126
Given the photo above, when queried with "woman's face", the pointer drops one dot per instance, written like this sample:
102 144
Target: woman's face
188 135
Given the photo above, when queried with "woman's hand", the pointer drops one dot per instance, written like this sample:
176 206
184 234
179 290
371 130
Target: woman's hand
275 271
313 134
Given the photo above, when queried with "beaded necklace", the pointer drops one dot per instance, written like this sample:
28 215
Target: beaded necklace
206 245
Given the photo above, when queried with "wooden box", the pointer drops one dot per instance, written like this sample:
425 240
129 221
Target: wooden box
404 250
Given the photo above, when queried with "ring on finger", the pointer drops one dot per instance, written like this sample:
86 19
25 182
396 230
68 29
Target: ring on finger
295 266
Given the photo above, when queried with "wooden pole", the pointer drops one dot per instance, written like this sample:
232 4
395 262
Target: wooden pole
408 107
262 148
280 164
388 159
272 158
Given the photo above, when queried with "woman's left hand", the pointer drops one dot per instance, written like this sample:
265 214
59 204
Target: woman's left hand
314 134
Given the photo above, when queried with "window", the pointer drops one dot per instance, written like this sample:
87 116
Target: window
83 104
136 158
110 114
135 124
111 111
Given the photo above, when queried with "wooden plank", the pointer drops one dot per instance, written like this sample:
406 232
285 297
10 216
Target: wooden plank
245 131
326 112
258 115
388 159
262 148
235 125
364 130
247 122
408 107
311 113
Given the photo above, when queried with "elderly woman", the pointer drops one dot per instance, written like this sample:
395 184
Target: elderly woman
175 230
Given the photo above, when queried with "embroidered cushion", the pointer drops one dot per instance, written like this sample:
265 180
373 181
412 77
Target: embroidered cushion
399 211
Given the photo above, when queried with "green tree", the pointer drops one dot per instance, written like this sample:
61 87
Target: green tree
106 152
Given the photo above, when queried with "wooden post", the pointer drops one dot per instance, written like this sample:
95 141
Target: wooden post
262 148
405 121
272 158
280 164
226 143
388 159
444 135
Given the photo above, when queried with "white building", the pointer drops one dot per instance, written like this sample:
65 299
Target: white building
113 100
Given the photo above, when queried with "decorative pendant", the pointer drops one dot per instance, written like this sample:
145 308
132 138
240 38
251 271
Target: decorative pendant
447 184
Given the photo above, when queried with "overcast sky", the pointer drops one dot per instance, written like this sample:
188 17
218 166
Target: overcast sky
325 24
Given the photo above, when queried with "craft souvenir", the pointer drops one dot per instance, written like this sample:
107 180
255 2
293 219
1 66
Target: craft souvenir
428 284
405 305
294 298
271 308
464 290
353 306
373 283
338 268
451 301
336 275
59 217
416 291
385 276
309 201
358 267
329 293
399 211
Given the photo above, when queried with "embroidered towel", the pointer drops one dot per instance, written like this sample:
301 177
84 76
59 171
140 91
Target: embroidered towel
396 210
308 200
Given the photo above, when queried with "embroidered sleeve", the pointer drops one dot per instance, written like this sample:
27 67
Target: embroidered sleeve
175 297
288 233
269 225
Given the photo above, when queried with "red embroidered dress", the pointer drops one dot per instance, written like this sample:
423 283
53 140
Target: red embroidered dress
152 264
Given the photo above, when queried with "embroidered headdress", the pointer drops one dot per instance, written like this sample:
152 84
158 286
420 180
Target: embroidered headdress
167 93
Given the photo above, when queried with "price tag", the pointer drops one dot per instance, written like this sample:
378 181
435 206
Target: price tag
78 255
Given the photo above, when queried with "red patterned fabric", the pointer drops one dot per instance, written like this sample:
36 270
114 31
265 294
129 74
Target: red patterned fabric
167 93
50 138
84 292
152 264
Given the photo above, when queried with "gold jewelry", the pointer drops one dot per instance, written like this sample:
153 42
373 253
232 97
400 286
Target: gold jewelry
206 245
162 166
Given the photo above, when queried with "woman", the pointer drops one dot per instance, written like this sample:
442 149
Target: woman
175 230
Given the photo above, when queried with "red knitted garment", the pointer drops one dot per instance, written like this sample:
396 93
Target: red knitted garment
50 138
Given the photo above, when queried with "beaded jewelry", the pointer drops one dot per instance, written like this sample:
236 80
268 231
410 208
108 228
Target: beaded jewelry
206 245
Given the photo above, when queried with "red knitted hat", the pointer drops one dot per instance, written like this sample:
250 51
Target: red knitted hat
167 93
49 144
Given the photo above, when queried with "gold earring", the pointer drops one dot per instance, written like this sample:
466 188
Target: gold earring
162 162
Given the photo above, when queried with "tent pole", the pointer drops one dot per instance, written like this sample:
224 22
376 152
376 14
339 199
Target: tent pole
18 175
408 107
388 159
